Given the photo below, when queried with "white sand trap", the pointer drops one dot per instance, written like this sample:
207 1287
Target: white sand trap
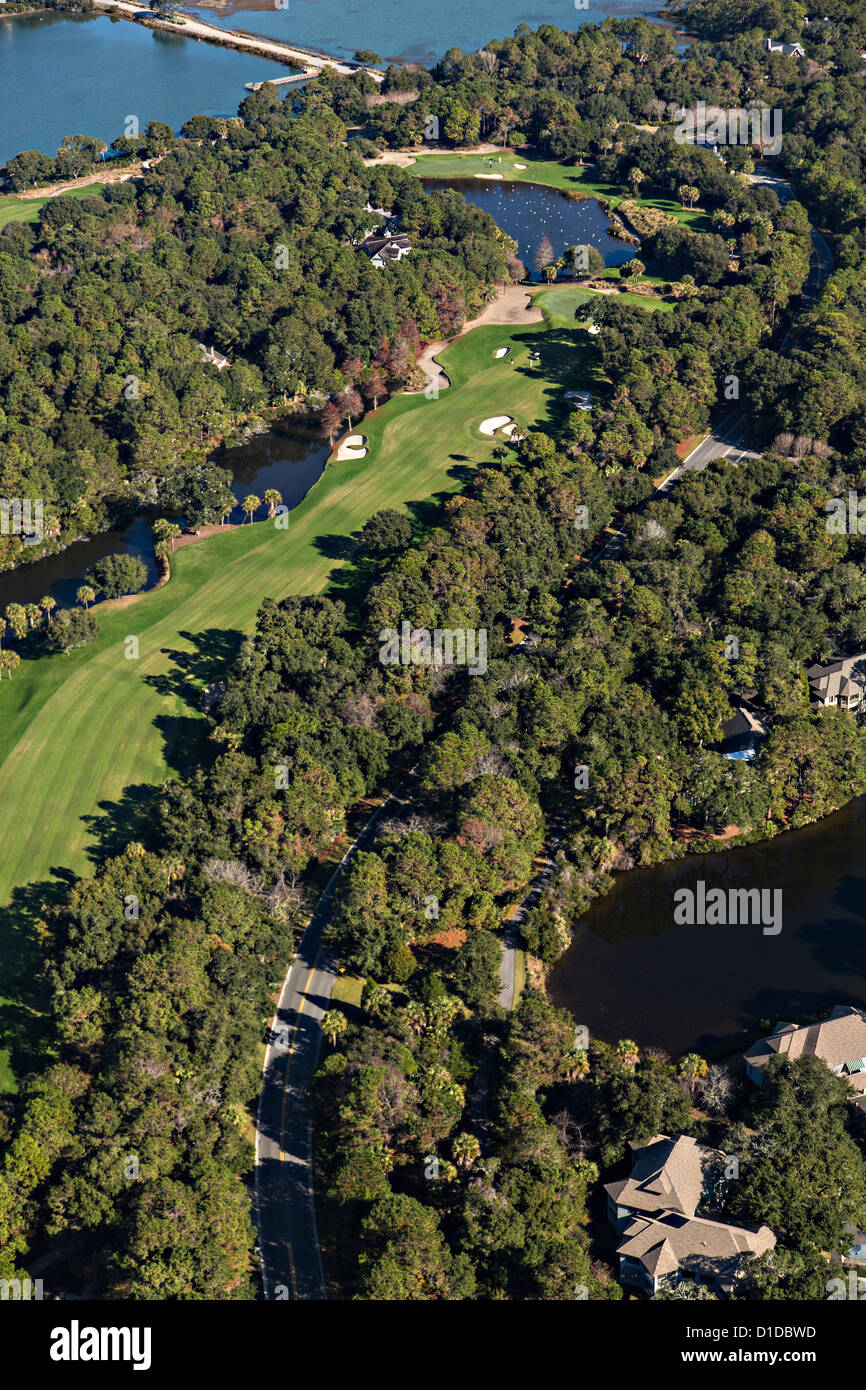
582 399
501 352
352 447
508 430
489 176
494 423
593 329
520 166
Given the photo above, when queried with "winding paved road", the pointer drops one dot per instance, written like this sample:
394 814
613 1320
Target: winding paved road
285 1203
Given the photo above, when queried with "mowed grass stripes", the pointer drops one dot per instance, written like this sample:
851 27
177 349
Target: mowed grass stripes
78 731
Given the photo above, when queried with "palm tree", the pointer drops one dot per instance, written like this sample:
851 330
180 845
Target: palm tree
375 999
10 660
165 530
86 595
636 178
251 504
48 604
416 1016
16 617
692 1068
466 1149
162 550
272 498
576 1064
33 614
226 514
628 1052
687 193
334 1025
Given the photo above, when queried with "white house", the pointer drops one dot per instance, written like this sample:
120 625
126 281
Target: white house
382 250
790 49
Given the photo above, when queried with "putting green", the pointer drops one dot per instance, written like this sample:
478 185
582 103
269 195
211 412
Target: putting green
83 735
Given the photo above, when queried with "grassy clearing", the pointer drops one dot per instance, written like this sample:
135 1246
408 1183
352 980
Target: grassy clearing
14 209
348 989
519 976
85 738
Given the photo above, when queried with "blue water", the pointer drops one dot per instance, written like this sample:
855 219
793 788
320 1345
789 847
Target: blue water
405 30
71 75
67 75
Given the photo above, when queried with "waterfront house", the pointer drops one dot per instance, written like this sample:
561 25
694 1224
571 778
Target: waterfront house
841 683
839 1041
662 1213
384 249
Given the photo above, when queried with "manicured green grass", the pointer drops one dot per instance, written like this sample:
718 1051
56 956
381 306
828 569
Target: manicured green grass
561 301
84 738
569 178
348 989
14 209
519 976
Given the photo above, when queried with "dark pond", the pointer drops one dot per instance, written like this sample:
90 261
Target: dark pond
529 211
632 972
289 460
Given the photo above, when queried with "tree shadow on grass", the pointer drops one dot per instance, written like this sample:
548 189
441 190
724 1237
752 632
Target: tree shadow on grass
336 547
213 651
116 823
23 1031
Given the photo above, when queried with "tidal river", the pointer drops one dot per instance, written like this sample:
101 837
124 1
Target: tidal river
74 75
632 972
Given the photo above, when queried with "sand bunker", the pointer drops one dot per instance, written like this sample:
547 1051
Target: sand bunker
520 166
490 176
494 423
582 399
501 352
352 447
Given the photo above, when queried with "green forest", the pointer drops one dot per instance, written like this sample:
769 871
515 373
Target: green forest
460 1147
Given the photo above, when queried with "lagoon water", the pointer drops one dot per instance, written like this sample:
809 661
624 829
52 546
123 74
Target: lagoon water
632 972
75 75
530 211
289 459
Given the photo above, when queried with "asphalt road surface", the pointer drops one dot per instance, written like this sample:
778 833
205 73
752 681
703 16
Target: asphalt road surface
286 1210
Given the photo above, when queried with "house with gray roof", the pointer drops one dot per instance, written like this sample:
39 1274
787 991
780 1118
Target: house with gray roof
841 683
839 1041
663 1215
384 249
791 50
